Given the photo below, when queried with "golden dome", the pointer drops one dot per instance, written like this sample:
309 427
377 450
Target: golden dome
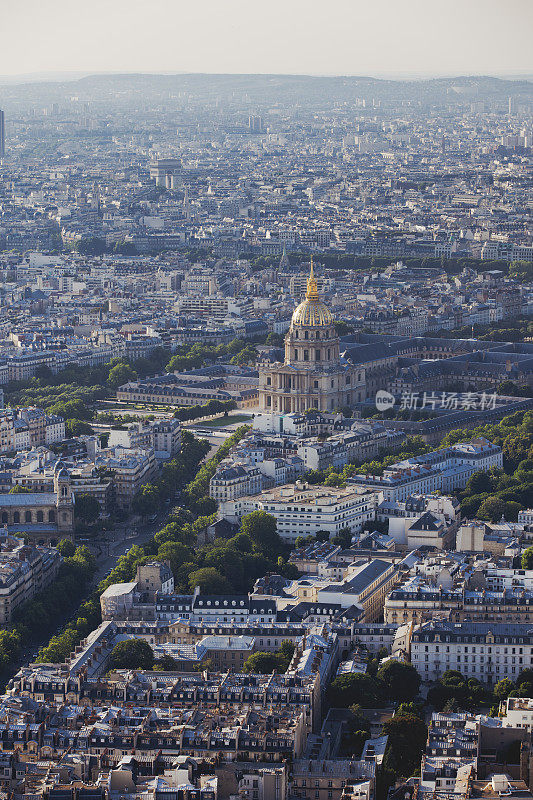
312 312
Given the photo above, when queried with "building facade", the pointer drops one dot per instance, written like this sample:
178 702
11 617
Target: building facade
313 375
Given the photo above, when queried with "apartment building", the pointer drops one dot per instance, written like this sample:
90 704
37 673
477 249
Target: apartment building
350 447
328 779
518 713
303 509
24 571
131 469
483 650
24 428
417 600
366 585
442 470
215 307
164 437
233 480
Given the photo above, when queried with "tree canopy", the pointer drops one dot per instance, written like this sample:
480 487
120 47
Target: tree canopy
87 508
355 688
261 528
401 681
210 581
132 654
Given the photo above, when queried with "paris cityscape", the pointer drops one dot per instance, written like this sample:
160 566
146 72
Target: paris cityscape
266 402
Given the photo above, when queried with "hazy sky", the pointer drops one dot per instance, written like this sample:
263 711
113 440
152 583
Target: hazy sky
373 37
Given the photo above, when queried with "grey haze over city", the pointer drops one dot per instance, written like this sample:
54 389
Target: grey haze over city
343 37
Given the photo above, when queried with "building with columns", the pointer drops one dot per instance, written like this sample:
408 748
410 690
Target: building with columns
313 374
43 516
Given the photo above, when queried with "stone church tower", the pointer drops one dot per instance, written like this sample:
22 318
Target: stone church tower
313 374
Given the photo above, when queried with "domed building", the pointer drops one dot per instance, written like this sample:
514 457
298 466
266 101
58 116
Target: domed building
313 374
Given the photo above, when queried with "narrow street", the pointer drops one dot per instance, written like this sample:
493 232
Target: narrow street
120 541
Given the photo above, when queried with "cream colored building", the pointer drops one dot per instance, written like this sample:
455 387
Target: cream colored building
302 510
313 375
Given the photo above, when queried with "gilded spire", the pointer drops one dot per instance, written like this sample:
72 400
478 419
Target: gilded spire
312 288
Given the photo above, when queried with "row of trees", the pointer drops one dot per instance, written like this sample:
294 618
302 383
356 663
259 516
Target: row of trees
72 392
453 691
334 260
188 357
266 663
489 495
225 565
413 445
197 492
174 476
393 682
186 413
41 614
508 330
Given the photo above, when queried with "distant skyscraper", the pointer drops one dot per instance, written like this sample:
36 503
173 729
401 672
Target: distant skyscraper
255 124
512 106
2 135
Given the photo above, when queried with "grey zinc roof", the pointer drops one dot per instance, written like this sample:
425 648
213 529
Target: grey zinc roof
29 499
359 582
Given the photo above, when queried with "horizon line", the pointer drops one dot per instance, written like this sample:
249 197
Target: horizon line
58 76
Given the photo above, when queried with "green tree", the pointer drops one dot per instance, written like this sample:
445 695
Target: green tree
407 740
176 553
245 356
524 683
76 427
343 538
93 246
491 509
285 654
120 374
125 248
355 688
263 663
75 409
470 505
503 689
479 482
87 508
132 654
241 542
83 560
147 500
18 489
527 558
417 709
401 681
210 581
261 528
166 663
66 547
